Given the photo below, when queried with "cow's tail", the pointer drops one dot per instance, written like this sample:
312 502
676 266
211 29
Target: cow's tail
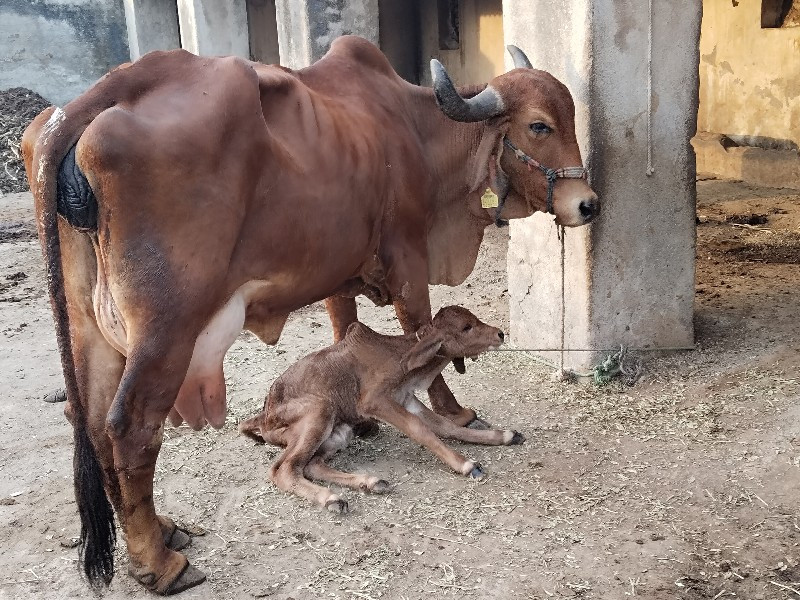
45 143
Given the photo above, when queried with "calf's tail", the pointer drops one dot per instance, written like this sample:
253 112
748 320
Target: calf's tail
252 428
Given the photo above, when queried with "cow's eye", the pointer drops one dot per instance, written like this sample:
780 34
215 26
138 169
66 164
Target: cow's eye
540 128
467 327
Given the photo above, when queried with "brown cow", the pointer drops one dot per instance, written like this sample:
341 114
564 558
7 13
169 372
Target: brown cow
312 409
198 196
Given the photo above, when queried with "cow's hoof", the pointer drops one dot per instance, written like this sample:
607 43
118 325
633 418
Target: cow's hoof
517 439
478 423
380 487
477 472
189 577
178 540
57 396
338 506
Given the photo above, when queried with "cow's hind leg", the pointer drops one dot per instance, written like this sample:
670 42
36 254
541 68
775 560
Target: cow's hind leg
153 375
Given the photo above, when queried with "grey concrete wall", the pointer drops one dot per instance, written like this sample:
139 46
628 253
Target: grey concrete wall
214 27
306 28
152 25
630 275
58 48
400 36
263 30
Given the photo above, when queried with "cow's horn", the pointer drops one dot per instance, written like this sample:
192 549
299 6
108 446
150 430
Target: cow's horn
485 105
520 60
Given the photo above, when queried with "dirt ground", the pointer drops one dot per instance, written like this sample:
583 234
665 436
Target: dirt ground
684 486
18 107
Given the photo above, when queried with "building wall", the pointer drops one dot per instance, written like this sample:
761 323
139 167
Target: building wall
399 27
58 48
749 76
479 56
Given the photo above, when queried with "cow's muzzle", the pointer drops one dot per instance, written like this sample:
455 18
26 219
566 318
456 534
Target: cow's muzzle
589 208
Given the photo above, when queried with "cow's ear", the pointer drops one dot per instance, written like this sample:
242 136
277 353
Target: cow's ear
422 353
490 149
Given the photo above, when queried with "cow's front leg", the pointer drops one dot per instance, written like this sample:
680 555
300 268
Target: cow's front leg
414 310
342 312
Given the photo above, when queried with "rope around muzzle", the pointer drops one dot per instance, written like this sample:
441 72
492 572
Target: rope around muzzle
550 174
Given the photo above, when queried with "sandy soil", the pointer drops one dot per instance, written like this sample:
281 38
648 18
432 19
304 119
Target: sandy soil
684 486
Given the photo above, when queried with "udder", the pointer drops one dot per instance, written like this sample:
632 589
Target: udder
202 396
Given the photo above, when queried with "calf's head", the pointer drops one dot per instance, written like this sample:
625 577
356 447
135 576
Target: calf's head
454 333
529 154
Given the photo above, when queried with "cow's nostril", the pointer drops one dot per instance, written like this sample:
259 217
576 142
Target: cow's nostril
589 209
501 335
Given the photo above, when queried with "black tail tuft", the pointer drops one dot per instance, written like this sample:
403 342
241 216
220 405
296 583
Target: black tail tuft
98 534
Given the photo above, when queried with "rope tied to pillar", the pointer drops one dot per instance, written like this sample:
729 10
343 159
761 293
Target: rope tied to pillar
561 233
561 374
622 363
650 168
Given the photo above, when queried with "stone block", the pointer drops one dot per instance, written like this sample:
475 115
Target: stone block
629 276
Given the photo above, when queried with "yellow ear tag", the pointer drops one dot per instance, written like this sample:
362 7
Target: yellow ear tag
489 199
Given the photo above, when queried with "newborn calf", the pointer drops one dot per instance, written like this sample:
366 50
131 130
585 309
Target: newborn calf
313 408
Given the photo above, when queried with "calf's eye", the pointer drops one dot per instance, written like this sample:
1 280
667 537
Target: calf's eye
540 128
467 327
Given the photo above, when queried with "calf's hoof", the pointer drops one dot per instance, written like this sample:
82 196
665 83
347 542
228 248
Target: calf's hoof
337 506
516 439
57 396
477 472
380 487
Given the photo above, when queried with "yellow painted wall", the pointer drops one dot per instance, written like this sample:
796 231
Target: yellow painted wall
480 55
749 77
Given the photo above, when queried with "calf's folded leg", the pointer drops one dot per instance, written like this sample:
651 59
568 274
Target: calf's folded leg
390 412
447 429
303 439
317 469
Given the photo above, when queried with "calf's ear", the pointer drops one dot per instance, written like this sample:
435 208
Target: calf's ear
422 353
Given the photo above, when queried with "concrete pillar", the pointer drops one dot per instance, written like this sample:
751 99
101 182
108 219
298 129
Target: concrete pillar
306 28
263 31
152 25
214 27
629 276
